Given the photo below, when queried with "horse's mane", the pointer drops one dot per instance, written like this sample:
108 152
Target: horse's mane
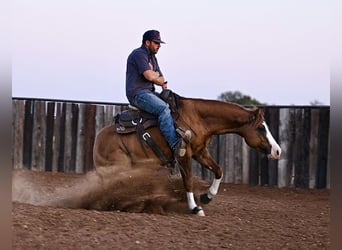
255 114
219 102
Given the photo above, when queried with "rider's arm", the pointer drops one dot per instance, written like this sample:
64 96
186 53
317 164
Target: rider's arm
154 77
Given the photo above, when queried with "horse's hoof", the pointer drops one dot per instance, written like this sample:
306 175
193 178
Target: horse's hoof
205 199
198 211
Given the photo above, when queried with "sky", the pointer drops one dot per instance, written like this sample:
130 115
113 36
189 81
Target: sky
274 51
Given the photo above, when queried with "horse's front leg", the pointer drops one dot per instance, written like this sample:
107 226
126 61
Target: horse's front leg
205 159
186 172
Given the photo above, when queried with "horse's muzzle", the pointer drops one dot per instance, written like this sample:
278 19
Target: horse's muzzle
274 153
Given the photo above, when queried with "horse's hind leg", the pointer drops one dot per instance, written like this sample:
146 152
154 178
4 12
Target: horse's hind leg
186 172
207 161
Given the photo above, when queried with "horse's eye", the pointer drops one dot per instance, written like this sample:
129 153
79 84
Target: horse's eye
261 130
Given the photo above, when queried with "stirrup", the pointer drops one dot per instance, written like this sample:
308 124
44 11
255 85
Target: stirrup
185 134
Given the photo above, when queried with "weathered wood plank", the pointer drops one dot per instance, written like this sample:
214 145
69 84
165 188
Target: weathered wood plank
253 168
291 148
74 129
18 132
323 139
237 141
90 113
313 147
80 140
100 120
273 123
28 131
284 143
328 164
109 115
223 160
61 155
230 158
306 147
298 150
302 148
57 137
264 169
245 162
67 163
38 139
50 113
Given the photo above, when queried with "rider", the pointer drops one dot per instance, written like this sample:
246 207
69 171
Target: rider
142 73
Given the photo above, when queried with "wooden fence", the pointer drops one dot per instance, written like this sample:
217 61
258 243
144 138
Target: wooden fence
58 136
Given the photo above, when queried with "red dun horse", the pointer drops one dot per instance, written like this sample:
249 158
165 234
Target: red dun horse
204 118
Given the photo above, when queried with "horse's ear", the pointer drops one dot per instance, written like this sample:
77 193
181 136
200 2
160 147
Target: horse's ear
256 116
259 112
260 117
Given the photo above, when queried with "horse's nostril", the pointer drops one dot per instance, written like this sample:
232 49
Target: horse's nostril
277 152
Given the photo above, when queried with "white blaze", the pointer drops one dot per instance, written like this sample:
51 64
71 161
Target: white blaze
275 149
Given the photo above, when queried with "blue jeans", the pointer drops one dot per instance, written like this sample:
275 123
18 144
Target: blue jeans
152 104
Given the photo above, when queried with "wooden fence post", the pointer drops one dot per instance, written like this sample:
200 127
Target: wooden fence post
328 163
322 151
109 115
89 136
57 137
67 162
49 135
245 162
284 143
224 148
298 150
253 168
61 155
264 167
237 144
291 148
100 120
28 130
273 123
74 128
313 147
39 133
18 132
80 140
229 158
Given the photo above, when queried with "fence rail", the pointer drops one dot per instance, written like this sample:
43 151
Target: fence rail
58 136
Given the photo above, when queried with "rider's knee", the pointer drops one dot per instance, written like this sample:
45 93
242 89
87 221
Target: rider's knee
165 110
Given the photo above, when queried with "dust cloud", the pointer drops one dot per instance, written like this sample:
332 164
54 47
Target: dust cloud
150 189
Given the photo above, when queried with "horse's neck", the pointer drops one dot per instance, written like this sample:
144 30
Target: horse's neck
219 117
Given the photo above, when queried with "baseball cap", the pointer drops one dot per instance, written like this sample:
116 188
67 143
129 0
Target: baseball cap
152 35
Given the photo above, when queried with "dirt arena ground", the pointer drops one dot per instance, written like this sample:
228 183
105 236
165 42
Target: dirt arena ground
147 209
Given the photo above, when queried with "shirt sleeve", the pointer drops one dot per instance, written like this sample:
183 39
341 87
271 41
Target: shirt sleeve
141 61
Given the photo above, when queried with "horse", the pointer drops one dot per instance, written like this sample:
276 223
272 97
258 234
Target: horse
204 118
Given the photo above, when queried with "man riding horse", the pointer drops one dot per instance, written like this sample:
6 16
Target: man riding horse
142 74
204 118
